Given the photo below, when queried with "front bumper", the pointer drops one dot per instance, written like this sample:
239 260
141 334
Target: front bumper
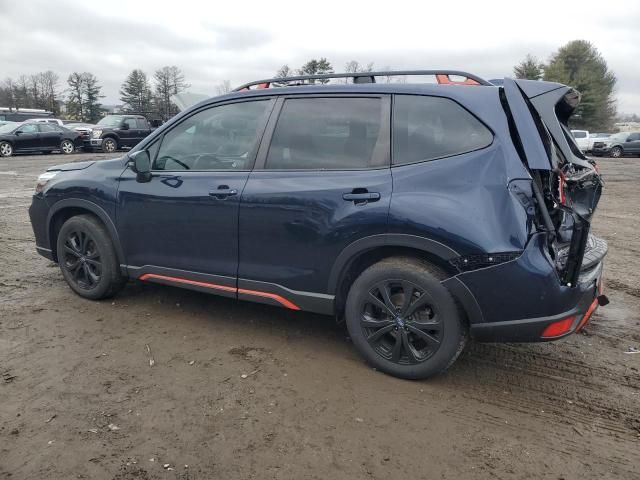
601 151
38 213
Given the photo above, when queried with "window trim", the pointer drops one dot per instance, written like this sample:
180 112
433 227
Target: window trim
384 135
270 102
393 110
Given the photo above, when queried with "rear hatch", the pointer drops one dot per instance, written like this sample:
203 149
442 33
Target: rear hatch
567 185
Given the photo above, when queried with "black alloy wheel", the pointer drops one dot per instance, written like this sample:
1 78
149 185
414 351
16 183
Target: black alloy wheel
81 258
400 322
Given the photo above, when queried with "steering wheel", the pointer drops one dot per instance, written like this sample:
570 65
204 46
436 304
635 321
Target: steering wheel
182 164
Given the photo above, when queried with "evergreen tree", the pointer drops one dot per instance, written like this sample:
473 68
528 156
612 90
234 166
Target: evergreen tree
580 65
135 92
530 68
316 67
83 97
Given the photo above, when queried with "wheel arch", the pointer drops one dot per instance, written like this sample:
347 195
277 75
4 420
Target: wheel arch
363 253
61 211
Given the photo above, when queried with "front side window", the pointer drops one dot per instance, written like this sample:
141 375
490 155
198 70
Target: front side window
132 123
218 138
29 128
427 128
328 133
48 127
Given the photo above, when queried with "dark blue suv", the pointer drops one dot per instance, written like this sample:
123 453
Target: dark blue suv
422 214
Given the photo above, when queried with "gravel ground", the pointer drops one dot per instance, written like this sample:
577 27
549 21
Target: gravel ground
78 398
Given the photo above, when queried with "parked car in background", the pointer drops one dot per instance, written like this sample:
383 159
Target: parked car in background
617 145
37 137
5 122
119 131
85 130
56 121
23 114
420 214
582 139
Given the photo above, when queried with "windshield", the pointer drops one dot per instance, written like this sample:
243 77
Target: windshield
9 127
111 121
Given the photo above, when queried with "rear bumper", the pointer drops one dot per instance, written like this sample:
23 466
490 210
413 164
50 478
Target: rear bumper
517 300
532 329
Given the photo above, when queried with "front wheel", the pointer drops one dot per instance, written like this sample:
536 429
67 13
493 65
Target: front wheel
87 258
616 152
403 321
109 145
67 147
6 149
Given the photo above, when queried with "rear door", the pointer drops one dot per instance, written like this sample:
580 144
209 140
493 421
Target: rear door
50 136
322 181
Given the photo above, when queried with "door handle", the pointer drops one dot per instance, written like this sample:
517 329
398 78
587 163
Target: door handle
359 197
222 192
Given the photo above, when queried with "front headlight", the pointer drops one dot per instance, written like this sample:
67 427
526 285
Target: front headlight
43 180
96 133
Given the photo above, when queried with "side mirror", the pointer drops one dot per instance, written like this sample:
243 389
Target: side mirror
18 132
141 164
124 126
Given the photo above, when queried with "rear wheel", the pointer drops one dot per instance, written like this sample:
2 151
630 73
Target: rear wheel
6 149
109 145
88 259
616 152
67 147
403 320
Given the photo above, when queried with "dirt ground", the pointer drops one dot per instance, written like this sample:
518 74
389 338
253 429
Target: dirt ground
79 399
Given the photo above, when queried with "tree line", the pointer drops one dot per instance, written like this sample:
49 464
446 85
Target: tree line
81 97
578 64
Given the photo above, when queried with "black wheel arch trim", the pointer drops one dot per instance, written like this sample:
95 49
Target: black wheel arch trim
92 207
351 251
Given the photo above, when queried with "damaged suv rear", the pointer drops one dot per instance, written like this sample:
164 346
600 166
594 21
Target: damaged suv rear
422 214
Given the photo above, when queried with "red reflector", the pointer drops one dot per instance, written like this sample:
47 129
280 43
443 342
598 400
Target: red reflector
587 316
558 328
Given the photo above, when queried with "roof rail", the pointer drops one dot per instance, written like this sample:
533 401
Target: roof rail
442 77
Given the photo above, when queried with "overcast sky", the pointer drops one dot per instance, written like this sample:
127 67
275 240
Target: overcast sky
212 41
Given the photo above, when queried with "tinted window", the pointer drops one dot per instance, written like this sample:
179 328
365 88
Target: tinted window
218 138
426 128
29 128
633 137
327 133
47 127
131 122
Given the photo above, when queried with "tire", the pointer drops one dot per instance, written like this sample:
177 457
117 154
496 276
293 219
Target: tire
417 346
109 145
87 258
616 152
67 147
6 149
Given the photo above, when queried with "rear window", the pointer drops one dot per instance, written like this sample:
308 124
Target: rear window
579 134
427 128
328 134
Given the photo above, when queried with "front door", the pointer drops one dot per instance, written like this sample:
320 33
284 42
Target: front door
182 226
321 182
128 137
27 137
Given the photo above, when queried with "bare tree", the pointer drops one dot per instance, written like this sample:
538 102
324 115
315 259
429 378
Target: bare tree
223 87
169 81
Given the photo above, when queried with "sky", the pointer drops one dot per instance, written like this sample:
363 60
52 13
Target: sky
213 41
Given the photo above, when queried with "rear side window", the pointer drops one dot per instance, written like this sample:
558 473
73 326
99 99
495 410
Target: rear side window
426 128
328 134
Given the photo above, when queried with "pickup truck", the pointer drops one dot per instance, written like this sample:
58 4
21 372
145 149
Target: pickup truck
119 131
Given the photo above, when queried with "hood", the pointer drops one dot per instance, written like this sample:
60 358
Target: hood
67 167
